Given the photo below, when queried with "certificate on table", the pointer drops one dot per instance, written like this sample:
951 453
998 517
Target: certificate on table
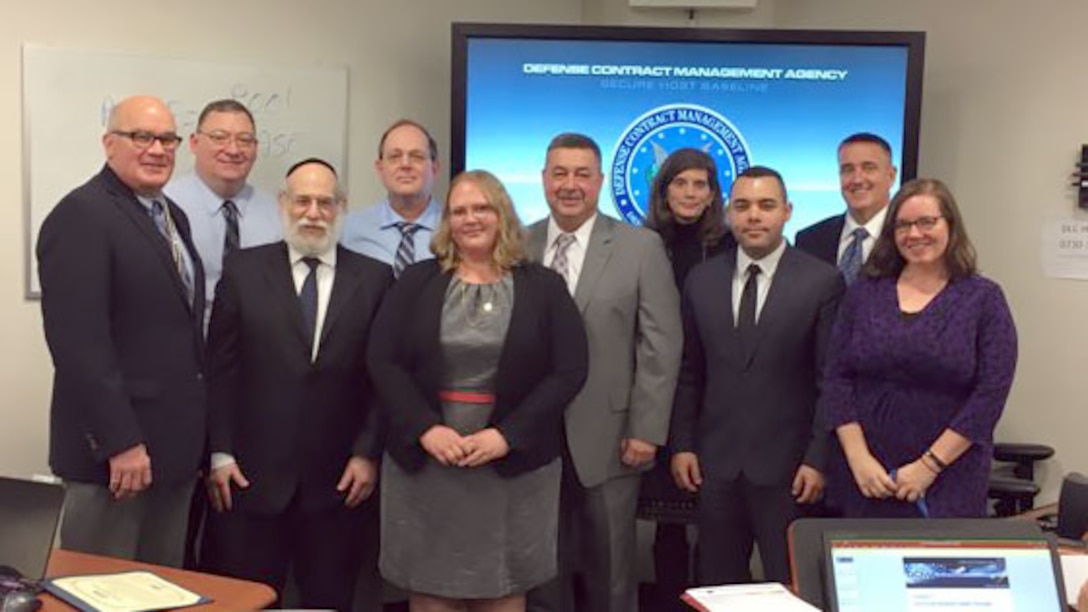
137 591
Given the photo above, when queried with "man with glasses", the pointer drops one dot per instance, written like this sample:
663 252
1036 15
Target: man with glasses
291 417
122 297
225 211
398 229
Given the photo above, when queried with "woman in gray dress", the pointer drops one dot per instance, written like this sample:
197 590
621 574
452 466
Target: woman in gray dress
475 357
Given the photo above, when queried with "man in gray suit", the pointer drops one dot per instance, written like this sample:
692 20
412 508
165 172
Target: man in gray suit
622 282
745 432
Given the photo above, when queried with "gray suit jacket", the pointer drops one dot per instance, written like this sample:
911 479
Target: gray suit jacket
631 309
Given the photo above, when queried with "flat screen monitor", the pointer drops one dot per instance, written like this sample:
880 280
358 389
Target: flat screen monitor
778 98
919 573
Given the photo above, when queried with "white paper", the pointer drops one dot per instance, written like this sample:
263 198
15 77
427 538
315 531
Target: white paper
767 597
1075 572
1065 248
126 592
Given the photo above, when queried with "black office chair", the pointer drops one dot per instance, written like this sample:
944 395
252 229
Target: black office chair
1013 487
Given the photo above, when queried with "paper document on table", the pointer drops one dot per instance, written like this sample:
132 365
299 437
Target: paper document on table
767 597
1075 573
139 591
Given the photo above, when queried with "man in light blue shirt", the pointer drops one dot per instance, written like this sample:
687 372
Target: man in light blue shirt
398 229
225 212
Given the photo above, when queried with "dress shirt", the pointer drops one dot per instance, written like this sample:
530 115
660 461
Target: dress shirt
179 243
767 267
874 226
576 252
258 223
373 231
326 273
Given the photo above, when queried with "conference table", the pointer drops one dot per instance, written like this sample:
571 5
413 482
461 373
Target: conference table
227 594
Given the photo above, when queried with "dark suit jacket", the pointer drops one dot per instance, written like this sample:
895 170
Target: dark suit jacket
291 423
542 365
821 240
755 415
126 343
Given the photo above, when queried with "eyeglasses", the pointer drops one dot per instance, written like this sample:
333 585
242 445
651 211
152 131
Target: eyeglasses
415 158
924 224
325 204
219 138
144 139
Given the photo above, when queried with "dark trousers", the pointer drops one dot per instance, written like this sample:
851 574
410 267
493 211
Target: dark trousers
325 549
732 516
672 566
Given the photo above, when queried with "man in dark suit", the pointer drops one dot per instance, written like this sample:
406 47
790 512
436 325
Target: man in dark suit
122 300
866 176
756 321
293 436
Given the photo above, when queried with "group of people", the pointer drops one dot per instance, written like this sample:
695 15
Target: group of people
483 402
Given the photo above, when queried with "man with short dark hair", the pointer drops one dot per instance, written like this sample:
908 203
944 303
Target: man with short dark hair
122 299
866 176
398 229
293 430
744 430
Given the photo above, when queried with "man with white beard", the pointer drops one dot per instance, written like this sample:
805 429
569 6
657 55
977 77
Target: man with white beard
293 430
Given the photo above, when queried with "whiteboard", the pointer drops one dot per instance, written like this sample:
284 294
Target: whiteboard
67 96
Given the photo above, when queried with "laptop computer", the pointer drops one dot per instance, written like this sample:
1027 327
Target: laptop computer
916 572
29 514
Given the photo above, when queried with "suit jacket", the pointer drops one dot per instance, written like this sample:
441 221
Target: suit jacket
126 342
291 423
542 365
821 240
629 303
755 413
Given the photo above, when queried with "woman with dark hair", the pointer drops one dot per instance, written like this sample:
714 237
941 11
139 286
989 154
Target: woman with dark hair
686 209
920 364
474 356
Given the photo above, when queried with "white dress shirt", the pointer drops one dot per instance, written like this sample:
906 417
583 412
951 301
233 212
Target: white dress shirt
874 226
576 252
767 267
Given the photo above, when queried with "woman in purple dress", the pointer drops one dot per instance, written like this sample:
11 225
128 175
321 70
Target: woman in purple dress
919 366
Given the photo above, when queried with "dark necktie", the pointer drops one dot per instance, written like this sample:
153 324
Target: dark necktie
850 264
307 297
164 222
406 250
746 316
560 263
231 240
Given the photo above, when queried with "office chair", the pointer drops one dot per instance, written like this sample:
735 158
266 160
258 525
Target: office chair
1014 489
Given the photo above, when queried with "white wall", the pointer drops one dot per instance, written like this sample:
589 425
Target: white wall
398 58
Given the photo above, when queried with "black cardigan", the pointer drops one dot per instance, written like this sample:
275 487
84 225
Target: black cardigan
541 368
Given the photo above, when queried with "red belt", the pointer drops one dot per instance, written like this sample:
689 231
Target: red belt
466 397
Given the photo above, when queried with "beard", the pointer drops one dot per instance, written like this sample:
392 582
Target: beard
308 244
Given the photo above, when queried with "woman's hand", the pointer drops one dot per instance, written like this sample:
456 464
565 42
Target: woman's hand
913 480
484 447
444 444
871 477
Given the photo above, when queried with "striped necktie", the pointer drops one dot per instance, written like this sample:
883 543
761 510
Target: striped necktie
850 264
231 239
406 250
560 263
164 222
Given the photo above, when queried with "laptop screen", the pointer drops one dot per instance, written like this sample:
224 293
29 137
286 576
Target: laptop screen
911 574
29 512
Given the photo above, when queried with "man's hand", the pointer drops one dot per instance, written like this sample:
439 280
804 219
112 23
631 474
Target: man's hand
444 444
635 452
912 480
808 484
686 472
484 446
130 472
219 483
871 477
359 477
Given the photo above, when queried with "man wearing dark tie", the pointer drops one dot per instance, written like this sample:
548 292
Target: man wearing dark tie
622 282
225 212
293 432
398 229
744 429
866 175
122 298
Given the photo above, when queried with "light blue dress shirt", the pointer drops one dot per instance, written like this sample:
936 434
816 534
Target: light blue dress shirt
258 223
373 231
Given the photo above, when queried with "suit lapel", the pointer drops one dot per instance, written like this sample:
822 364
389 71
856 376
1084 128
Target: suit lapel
736 352
346 280
778 299
598 252
281 281
538 236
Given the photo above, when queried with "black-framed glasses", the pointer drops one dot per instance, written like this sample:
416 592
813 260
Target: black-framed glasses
924 224
144 139
220 138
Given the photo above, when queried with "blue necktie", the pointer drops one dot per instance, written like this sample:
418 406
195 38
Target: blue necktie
850 264
307 298
406 250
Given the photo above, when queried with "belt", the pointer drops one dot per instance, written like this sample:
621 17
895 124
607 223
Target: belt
466 397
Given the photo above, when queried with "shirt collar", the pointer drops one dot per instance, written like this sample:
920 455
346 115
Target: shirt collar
874 226
389 217
328 258
767 265
581 235
148 202
213 202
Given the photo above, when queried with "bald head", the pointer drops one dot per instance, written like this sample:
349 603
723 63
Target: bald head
140 141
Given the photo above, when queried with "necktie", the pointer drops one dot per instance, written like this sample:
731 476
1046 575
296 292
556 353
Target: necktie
231 241
307 298
746 316
406 250
164 221
850 264
560 263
